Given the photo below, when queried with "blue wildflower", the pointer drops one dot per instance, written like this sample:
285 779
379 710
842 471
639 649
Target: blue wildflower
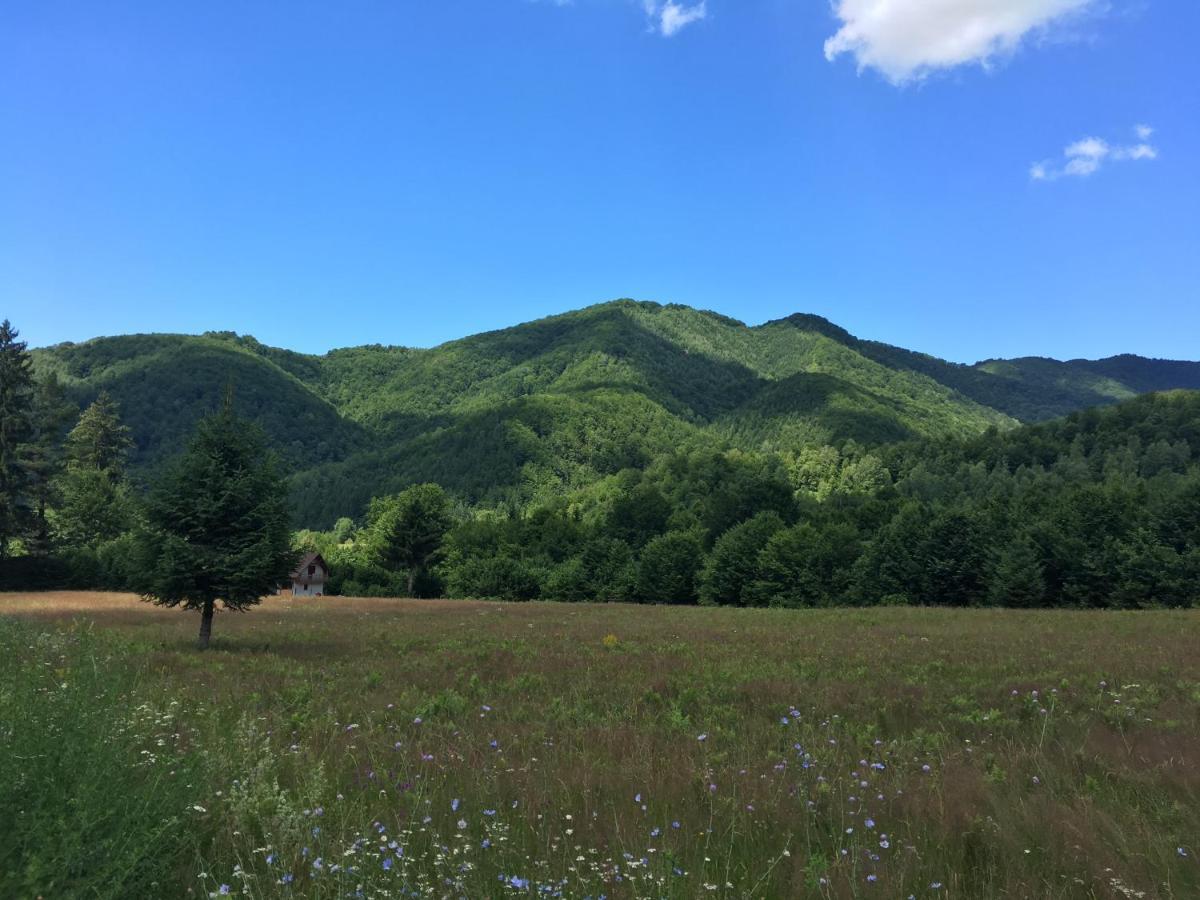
454 805
223 890
387 864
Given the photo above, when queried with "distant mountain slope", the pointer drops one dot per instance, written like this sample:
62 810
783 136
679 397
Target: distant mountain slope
551 405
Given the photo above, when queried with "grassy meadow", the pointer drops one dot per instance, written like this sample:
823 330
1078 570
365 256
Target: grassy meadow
393 748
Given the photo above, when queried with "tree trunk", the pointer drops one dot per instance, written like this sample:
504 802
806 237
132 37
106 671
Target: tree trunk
206 617
412 579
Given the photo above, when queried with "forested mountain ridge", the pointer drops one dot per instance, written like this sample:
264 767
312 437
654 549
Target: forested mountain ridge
550 406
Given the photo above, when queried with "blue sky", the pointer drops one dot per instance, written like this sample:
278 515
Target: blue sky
963 177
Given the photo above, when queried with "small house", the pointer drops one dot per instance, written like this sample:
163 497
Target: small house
308 580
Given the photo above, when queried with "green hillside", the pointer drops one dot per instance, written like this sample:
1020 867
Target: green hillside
550 406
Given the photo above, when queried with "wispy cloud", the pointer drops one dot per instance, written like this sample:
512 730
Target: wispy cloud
668 17
906 40
1087 156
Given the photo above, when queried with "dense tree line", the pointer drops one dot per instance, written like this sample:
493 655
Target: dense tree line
1101 508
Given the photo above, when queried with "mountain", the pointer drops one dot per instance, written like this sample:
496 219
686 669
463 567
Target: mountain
542 408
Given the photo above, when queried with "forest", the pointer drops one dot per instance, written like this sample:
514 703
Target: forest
1098 508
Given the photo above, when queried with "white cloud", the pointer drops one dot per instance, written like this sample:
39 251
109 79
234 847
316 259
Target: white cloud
1087 156
669 17
907 39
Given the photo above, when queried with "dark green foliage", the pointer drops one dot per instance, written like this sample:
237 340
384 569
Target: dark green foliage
100 441
805 566
216 524
43 458
733 563
668 568
16 427
406 531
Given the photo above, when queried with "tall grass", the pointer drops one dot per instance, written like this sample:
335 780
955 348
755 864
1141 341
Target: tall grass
380 749
94 780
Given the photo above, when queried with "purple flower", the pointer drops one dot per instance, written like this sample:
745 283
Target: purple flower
387 864
223 890
872 879
870 823
702 737
287 878
454 805
1183 853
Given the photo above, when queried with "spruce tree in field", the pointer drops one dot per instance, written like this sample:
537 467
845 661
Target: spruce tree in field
407 530
16 411
216 524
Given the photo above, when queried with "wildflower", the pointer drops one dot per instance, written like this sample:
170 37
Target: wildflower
270 859
495 745
1183 853
637 798
702 737
287 878
656 832
223 890
454 805
935 885
417 720
1036 780
519 883
884 843
872 879
489 812
926 768
462 823
870 823
675 825
486 843
319 863
387 864
784 720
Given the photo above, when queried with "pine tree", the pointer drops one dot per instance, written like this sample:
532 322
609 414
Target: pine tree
96 505
217 524
43 456
100 441
16 422
407 530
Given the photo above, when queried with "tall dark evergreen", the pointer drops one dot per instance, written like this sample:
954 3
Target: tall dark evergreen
407 530
43 456
100 440
217 525
16 426
95 502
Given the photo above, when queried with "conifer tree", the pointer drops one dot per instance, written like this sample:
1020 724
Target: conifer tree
43 456
407 530
217 524
16 411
